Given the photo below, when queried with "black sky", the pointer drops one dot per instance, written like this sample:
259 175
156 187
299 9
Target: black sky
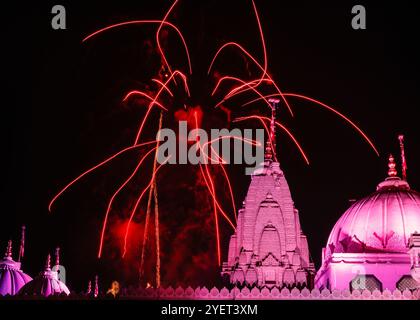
59 101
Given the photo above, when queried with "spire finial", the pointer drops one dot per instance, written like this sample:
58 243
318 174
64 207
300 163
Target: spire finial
392 172
48 262
57 256
9 250
22 244
96 292
89 288
270 149
403 161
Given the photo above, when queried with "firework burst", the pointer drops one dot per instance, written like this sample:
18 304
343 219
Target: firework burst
173 83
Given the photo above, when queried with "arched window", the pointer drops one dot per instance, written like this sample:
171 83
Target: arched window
365 282
407 282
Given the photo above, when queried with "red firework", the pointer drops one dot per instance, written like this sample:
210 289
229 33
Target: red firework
174 79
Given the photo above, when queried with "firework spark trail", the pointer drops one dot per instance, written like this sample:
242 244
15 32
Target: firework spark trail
149 201
211 187
221 163
115 155
230 191
248 84
209 181
141 93
176 72
207 174
162 54
216 221
284 128
264 69
157 233
133 22
109 207
262 43
240 89
319 103
236 89
137 204
163 85
213 193
270 140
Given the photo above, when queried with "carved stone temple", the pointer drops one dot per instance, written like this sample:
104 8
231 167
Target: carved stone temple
268 247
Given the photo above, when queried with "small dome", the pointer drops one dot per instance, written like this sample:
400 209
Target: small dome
12 279
380 222
45 284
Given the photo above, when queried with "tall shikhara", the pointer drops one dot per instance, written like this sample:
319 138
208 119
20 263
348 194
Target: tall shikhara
268 247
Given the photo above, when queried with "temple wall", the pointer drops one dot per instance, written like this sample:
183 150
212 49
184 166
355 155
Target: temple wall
203 293
341 274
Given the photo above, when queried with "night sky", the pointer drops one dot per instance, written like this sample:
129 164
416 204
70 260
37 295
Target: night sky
61 113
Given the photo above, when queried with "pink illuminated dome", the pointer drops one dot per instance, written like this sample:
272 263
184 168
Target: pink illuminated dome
369 246
380 222
46 284
12 278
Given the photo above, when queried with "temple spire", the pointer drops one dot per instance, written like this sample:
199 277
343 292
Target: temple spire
48 262
270 149
22 244
57 256
96 292
403 161
392 172
89 288
9 250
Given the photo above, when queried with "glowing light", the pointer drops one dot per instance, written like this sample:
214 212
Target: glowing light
176 72
133 22
94 168
164 86
157 36
300 96
240 87
302 152
108 209
264 69
137 204
248 84
136 92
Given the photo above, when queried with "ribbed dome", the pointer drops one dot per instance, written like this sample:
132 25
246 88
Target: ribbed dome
45 284
381 222
11 277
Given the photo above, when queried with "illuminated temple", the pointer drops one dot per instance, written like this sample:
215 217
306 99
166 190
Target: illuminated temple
268 247
373 250
375 244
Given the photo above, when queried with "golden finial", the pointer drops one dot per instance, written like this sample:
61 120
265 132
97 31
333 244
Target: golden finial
9 249
48 262
57 256
392 172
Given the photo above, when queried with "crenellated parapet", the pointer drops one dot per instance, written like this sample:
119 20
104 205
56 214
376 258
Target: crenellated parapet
203 293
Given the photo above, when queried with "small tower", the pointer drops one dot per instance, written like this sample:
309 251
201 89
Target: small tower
22 244
8 254
403 160
96 292
89 288
57 258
